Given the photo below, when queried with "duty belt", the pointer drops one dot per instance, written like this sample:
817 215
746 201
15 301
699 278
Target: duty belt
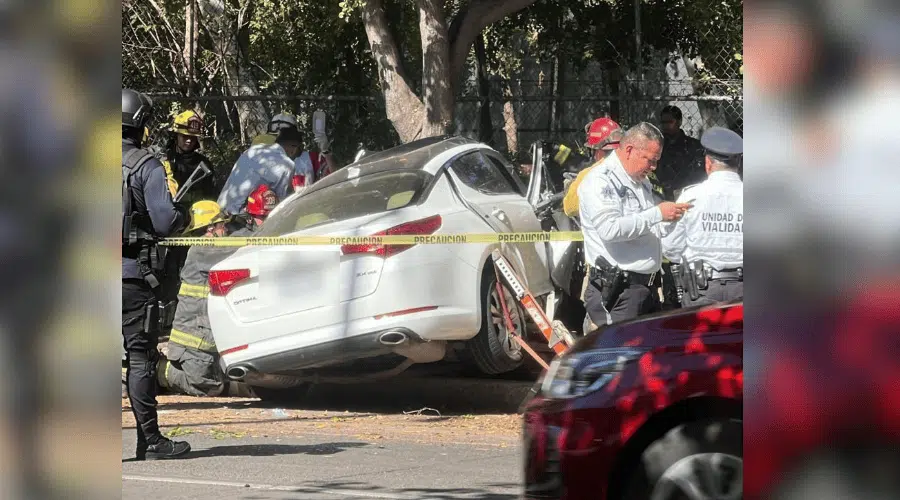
735 274
648 280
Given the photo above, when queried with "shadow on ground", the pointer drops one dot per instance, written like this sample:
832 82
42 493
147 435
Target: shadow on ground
268 450
331 489
447 396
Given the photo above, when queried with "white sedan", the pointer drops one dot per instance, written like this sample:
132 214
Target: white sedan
287 313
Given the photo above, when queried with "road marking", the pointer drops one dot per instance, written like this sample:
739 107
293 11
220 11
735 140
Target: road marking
269 487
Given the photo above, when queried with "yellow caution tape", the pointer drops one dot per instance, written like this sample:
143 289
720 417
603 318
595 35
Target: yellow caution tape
394 239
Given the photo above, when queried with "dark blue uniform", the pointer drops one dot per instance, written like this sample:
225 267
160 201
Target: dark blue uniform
154 214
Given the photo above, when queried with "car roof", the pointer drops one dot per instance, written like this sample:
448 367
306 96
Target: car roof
414 155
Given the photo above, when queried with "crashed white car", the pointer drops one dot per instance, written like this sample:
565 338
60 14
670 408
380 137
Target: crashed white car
283 314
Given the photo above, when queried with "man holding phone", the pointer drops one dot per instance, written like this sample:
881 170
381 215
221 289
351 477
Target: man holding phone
622 223
708 242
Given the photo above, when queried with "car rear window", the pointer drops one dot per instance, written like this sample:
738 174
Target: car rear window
364 195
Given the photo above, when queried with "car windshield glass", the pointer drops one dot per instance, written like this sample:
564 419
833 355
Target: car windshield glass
364 195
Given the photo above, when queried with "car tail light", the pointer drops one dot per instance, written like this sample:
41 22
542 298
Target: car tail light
419 227
221 282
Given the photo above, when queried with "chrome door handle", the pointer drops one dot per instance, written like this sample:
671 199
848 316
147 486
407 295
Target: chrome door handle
500 214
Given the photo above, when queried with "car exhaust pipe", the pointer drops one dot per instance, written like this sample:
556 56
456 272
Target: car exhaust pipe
393 338
237 373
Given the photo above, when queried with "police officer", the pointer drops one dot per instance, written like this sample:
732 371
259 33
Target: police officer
148 213
622 226
710 238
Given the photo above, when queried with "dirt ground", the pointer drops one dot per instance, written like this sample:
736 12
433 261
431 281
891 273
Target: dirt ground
182 416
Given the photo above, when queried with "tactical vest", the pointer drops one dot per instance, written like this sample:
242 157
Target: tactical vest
137 241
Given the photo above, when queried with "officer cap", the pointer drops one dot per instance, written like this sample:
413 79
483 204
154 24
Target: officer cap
722 144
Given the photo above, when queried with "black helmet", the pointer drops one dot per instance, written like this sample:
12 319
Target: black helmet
136 109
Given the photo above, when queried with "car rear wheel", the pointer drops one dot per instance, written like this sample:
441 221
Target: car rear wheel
282 395
698 460
494 350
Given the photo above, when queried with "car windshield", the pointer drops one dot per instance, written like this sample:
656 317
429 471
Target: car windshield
368 194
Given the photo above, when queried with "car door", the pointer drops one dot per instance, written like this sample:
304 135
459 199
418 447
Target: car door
562 254
491 189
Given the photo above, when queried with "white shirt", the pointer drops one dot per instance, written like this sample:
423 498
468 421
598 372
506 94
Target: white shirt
303 165
713 230
261 164
620 219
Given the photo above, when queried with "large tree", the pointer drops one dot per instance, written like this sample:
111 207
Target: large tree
447 31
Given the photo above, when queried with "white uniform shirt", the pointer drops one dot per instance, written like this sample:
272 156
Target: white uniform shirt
261 164
620 219
712 231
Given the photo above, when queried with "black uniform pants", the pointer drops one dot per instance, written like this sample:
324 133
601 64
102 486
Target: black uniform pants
142 358
634 301
717 291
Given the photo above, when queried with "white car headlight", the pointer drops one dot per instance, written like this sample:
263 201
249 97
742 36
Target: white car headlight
574 375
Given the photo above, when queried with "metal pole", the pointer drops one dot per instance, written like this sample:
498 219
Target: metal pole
637 39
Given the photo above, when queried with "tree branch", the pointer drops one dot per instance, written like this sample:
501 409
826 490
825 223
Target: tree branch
469 23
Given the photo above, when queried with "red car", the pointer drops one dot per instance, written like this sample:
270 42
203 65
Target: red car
650 408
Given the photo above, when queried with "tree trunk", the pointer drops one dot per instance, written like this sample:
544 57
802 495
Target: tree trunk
486 126
510 125
611 77
436 88
404 109
239 81
191 37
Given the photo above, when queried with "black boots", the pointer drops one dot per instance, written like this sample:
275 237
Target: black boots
163 450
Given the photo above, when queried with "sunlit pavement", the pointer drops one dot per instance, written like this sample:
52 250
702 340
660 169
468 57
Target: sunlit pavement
326 468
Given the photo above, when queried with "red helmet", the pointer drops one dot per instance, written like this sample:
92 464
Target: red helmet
261 201
603 133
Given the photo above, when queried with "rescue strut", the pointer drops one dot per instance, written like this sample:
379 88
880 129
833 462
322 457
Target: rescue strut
558 337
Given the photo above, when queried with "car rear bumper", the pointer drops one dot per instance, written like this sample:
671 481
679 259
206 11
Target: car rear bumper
324 354
341 343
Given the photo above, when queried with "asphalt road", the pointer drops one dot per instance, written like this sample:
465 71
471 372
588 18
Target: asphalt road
323 468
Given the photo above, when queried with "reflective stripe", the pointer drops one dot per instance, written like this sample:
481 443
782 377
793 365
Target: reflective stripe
170 177
192 341
189 290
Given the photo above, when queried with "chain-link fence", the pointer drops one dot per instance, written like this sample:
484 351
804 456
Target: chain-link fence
159 59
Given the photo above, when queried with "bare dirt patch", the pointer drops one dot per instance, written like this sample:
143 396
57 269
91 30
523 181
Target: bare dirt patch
224 418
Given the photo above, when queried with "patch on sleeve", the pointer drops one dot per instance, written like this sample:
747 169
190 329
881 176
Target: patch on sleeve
607 192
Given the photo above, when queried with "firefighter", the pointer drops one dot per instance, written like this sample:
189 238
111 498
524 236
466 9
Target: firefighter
148 213
603 136
192 366
181 157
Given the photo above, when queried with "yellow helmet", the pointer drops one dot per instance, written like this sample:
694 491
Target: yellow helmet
205 213
188 123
